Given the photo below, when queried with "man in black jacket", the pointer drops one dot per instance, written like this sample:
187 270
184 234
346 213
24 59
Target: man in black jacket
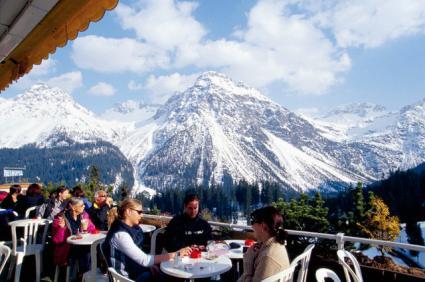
188 228
99 210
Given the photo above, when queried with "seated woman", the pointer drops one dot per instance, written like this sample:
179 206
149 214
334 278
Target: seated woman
268 256
69 223
123 245
11 200
32 198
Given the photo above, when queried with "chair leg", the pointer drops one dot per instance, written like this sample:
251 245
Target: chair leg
37 267
56 274
19 260
11 266
68 272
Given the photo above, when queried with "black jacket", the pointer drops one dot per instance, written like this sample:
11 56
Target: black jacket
183 231
99 216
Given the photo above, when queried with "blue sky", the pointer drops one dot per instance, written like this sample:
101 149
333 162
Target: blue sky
308 55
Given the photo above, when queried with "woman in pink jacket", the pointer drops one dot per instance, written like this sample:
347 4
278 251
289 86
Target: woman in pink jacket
68 223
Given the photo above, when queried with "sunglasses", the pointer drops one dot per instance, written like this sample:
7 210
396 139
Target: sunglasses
138 211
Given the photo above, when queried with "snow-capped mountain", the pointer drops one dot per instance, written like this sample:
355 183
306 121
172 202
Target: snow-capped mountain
346 122
45 118
219 129
402 133
131 111
42 113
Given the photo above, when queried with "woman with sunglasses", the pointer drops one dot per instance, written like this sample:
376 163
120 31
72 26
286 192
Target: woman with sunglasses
268 256
123 245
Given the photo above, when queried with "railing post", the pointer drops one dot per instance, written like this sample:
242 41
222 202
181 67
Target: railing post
340 241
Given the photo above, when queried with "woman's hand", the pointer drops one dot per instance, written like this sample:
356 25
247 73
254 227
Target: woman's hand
256 246
61 222
185 251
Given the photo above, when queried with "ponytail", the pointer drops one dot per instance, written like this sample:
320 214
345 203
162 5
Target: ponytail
281 234
112 216
274 221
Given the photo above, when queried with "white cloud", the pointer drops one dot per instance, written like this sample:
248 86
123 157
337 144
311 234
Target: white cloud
134 86
367 23
167 24
102 89
160 88
46 67
109 55
68 81
302 44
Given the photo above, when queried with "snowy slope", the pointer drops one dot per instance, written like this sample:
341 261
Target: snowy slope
218 128
402 133
42 113
347 122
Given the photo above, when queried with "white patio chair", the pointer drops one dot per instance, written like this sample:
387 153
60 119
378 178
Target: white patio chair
323 273
4 256
94 274
349 273
28 244
303 260
116 277
283 276
28 211
154 238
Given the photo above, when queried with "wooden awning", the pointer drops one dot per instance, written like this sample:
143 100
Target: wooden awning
61 23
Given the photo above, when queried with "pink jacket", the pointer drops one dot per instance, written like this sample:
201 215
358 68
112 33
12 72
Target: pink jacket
59 236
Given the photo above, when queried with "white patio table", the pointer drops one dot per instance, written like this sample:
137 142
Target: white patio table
192 269
85 239
147 228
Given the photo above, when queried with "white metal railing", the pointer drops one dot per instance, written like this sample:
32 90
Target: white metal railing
339 238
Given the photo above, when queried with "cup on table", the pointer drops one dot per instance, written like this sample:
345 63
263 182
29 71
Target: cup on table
248 243
196 253
84 225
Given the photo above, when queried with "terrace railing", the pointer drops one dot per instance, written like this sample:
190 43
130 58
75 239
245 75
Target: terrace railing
339 238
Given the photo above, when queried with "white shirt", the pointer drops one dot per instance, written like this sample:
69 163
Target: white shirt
123 242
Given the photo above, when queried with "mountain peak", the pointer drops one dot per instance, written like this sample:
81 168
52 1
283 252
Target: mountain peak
214 82
42 92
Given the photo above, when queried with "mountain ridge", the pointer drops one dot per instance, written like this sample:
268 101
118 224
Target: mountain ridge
219 128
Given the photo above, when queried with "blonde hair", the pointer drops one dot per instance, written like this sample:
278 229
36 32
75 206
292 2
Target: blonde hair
119 213
112 216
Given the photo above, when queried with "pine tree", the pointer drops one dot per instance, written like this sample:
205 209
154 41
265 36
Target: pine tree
94 178
358 202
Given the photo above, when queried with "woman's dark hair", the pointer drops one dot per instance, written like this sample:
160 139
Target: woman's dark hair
15 188
190 198
78 192
273 219
61 189
34 190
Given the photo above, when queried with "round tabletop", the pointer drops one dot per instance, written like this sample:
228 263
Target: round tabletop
147 228
85 239
236 253
202 267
